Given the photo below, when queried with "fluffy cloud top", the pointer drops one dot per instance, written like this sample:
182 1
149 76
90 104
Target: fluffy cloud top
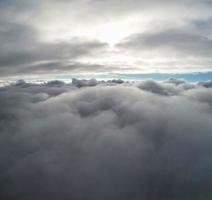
144 140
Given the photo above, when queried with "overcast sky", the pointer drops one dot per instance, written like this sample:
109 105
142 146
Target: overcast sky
98 36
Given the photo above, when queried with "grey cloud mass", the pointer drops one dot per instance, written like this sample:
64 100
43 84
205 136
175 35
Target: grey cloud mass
103 139
21 48
157 34
22 51
107 141
170 42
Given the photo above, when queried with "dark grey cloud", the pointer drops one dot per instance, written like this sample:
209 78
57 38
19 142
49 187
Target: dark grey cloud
102 142
84 83
203 26
169 87
207 84
64 67
170 42
158 88
175 81
22 51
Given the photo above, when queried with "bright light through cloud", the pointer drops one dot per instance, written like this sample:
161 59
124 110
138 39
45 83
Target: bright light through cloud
113 33
109 32
145 36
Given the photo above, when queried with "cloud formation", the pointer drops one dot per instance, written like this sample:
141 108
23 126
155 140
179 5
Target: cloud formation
173 41
45 37
128 141
22 51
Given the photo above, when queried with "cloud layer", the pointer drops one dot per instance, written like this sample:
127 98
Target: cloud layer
86 36
145 140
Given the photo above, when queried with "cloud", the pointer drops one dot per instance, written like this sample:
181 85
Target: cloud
170 42
84 83
62 142
175 81
158 88
165 46
48 36
169 87
207 84
22 51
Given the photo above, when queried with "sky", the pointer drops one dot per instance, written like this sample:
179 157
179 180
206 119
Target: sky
104 36
105 99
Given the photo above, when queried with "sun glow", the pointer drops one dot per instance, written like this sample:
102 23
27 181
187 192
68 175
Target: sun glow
112 33
109 32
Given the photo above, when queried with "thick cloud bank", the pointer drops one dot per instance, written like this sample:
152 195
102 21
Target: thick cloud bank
110 141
